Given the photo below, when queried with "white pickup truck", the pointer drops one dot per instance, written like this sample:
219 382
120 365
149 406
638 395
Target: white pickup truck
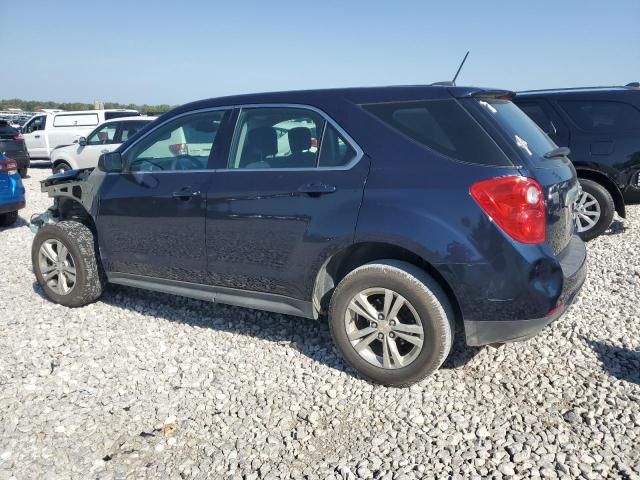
46 131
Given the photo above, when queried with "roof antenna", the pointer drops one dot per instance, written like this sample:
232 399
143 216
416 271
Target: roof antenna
460 68
452 83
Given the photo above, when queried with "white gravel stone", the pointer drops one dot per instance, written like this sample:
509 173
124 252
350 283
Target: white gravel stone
146 385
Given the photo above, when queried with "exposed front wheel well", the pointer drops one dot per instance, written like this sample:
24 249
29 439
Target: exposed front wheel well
607 183
347 260
70 209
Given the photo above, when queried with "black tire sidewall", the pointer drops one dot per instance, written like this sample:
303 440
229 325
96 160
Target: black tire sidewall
9 218
76 296
607 208
434 321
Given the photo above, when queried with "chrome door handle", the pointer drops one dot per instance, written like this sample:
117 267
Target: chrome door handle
186 194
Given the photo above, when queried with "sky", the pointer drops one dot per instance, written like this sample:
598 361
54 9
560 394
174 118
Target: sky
158 52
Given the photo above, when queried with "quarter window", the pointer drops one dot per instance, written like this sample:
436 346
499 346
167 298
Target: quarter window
602 117
276 138
335 151
185 143
441 125
536 113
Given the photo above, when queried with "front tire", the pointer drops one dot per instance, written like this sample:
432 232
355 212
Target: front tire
66 264
61 167
594 210
392 322
8 219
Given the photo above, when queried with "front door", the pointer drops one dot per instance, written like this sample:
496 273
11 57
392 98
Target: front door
288 199
151 218
34 137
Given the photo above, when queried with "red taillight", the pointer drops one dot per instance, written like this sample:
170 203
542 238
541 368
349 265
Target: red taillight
314 143
8 166
179 149
19 138
516 204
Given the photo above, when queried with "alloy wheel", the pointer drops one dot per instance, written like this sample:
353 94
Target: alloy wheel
384 328
57 266
587 211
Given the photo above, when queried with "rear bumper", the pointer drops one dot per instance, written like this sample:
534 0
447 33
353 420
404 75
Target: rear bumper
574 270
11 207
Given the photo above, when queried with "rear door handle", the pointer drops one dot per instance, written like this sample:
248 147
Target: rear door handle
186 193
315 189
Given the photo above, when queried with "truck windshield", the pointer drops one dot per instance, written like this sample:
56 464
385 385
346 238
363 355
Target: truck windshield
529 138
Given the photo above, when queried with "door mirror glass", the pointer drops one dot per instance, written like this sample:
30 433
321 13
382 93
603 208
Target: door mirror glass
82 141
110 162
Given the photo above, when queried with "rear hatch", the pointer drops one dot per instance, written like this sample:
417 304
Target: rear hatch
8 142
547 164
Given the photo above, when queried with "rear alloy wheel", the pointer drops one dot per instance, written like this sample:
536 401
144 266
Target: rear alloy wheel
594 210
61 167
392 322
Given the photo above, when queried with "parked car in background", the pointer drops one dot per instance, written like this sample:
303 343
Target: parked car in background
601 126
12 144
44 132
11 191
421 210
108 136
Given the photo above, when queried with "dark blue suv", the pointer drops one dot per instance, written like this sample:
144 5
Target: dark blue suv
402 214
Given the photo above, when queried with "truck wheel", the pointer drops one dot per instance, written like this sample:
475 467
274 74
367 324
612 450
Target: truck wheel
66 263
61 167
594 210
392 322
8 219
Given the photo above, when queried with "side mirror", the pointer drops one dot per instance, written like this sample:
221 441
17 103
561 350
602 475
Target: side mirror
111 162
82 141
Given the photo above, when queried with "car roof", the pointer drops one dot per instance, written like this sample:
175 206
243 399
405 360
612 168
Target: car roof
568 92
321 97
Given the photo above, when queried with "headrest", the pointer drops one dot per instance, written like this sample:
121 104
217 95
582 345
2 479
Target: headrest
263 139
299 139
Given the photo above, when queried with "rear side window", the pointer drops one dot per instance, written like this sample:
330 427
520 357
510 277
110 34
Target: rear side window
79 120
444 126
536 113
602 117
335 151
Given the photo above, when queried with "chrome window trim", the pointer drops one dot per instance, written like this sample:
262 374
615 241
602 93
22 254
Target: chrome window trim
352 143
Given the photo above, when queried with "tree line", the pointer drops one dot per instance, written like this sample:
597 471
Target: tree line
35 105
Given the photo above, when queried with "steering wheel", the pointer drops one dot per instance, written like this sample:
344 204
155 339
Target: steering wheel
185 162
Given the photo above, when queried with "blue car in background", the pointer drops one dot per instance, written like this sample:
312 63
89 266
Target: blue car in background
11 191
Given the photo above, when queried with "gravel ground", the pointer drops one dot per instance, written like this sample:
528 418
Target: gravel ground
145 385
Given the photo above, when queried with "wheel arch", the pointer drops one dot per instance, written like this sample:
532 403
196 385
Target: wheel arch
607 183
71 209
336 267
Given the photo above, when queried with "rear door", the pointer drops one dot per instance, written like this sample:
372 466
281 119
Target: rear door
288 198
556 175
151 217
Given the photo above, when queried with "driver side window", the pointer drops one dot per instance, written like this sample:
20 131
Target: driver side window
182 144
103 135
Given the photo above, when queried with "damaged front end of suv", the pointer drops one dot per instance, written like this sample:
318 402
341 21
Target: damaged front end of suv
74 194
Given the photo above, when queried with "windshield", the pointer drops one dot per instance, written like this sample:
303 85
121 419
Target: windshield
532 141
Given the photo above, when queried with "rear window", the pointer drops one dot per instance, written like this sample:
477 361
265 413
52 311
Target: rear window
524 133
111 115
444 126
76 120
7 130
602 117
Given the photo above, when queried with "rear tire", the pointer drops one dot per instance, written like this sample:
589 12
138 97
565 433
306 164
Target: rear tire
61 167
588 211
68 246
423 299
8 219
23 172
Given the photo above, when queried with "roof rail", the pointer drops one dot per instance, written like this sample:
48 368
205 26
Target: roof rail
633 84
